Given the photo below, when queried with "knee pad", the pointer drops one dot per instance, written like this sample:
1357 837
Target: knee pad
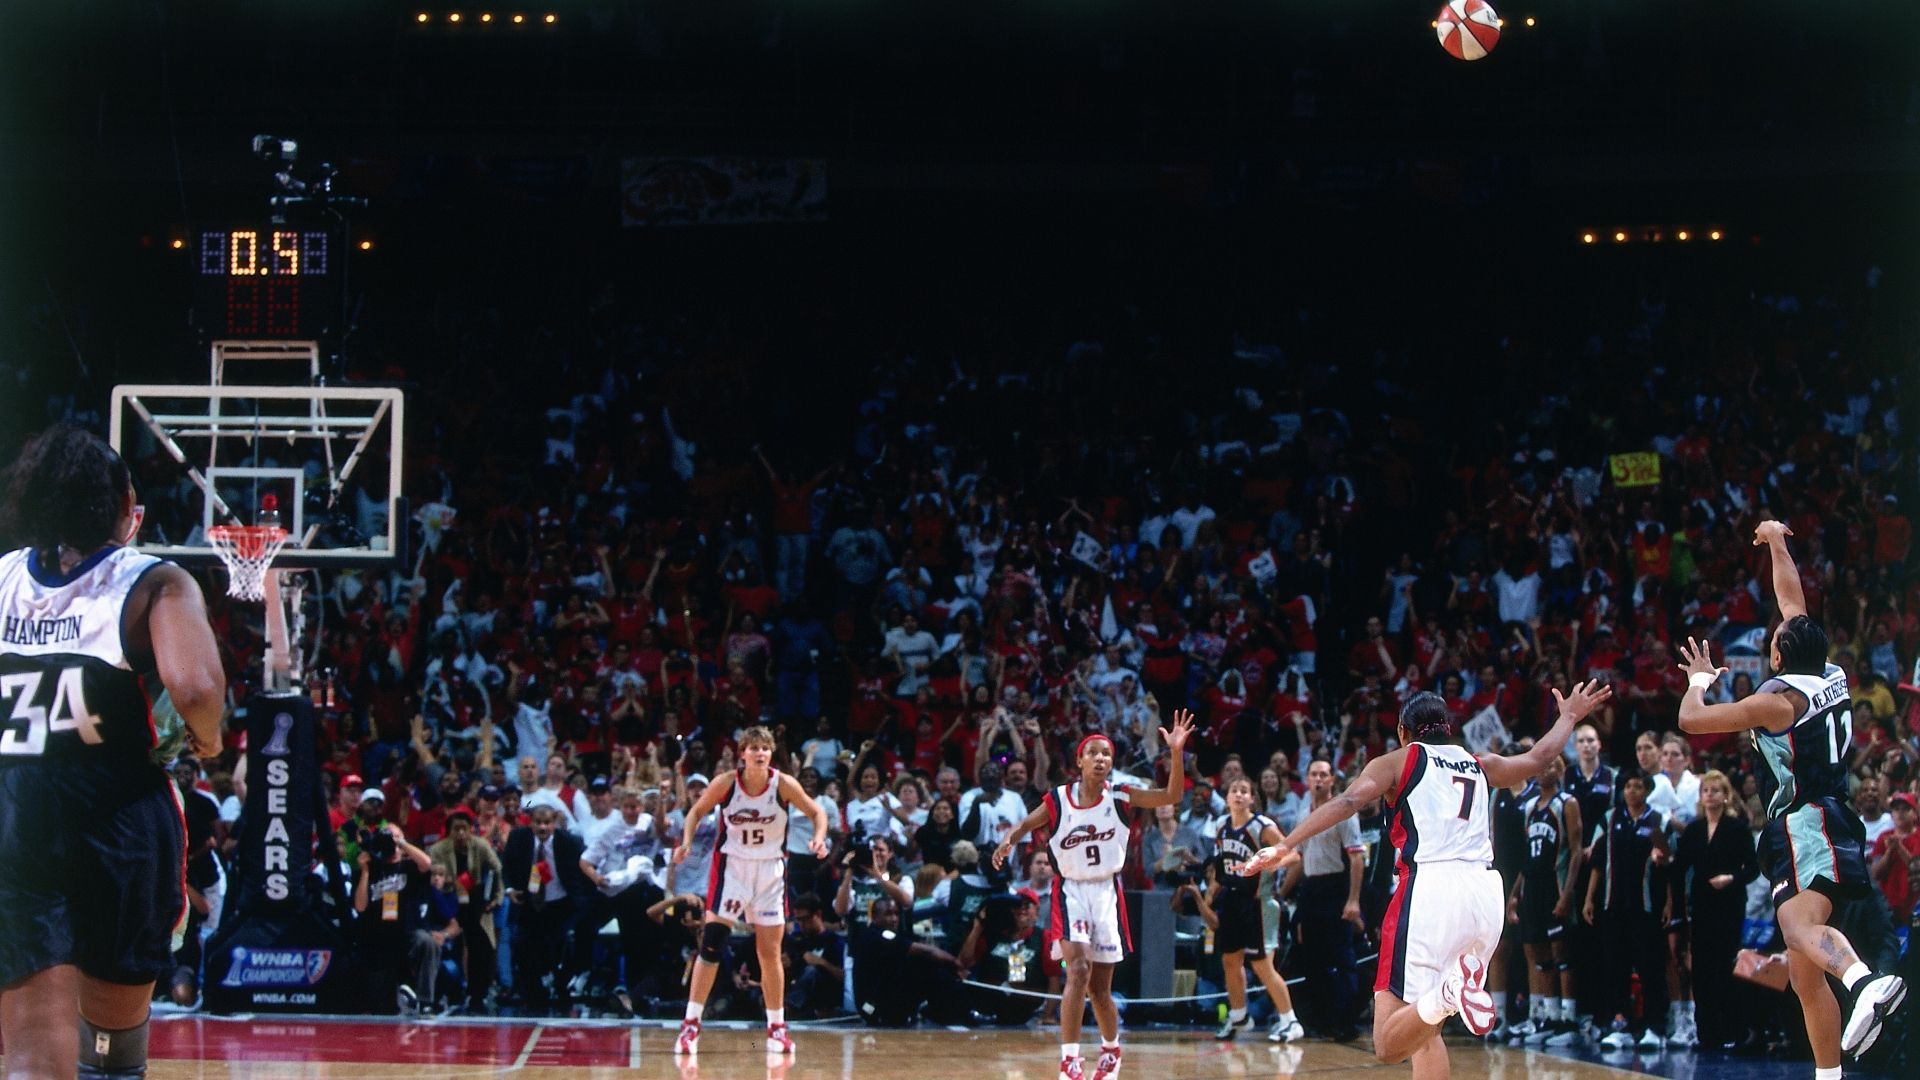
113 1055
713 941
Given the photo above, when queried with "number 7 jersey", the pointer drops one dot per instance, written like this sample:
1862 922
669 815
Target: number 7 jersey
1440 808
68 690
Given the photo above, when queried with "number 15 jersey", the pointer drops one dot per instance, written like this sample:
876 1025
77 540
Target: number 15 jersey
1089 843
1440 809
754 826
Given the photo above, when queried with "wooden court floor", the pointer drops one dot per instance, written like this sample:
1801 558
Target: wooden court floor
190 1048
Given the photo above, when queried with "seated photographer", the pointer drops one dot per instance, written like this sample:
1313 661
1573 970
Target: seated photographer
1004 946
894 975
815 962
399 939
869 875
663 981
957 897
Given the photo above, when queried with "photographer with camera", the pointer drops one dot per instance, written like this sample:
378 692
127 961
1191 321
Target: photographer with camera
1004 946
399 946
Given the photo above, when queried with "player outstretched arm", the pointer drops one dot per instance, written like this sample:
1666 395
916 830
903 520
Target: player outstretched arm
186 657
1699 718
715 794
1373 782
797 797
1574 707
1176 789
1786 576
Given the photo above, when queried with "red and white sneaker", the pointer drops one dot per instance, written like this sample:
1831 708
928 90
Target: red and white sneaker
1475 1004
1071 1068
1107 1067
689 1040
777 1040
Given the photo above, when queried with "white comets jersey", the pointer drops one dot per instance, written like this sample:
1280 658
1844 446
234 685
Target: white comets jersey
755 826
1089 843
1441 807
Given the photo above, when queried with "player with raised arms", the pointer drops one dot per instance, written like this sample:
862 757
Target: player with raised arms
1448 906
1812 848
92 839
748 882
1088 840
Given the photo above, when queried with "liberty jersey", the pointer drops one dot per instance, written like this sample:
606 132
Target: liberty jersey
68 690
1089 843
1808 761
754 826
1441 811
1549 852
1233 846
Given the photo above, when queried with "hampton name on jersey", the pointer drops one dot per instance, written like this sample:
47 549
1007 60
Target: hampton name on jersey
67 687
1808 761
1089 843
755 826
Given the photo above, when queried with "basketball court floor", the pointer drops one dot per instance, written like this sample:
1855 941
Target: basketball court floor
320 1048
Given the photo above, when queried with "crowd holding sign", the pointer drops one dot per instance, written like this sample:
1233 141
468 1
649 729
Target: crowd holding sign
1635 470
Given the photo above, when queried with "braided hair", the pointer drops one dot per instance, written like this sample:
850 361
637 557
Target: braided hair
67 488
1802 646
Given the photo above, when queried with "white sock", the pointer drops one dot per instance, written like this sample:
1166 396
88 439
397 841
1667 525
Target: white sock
1566 1009
1105 1045
1855 975
695 1008
1432 1008
776 1017
1827 1074
1287 1017
1689 1011
1234 1016
1069 1051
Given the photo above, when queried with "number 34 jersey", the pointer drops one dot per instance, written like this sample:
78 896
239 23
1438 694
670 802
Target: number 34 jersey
67 688
1089 843
1440 808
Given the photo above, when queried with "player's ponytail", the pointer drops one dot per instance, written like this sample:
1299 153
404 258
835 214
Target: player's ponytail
1802 645
66 488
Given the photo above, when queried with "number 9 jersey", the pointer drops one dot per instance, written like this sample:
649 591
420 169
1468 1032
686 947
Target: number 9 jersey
1089 843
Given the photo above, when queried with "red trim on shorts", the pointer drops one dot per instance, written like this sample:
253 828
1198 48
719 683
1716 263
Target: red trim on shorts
180 812
1120 901
716 877
1390 972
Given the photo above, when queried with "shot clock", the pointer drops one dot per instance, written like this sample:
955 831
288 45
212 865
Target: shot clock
268 282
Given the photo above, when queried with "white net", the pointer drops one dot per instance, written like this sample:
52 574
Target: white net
247 550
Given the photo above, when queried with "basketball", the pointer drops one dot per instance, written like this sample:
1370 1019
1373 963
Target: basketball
1469 29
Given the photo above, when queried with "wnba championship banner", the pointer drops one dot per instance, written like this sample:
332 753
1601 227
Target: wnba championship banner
276 951
721 191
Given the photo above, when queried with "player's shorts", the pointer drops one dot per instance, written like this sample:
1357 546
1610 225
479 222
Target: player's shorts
1242 926
1094 914
1439 911
92 870
751 891
1820 847
1538 924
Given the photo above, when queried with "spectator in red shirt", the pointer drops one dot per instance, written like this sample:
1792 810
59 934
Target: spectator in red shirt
793 528
1892 534
1896 857
1374 654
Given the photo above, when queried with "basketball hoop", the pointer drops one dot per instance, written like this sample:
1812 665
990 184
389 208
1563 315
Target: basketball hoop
247 550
